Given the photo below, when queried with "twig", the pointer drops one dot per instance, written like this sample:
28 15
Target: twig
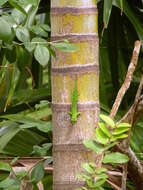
139 89
120 95
128 79
46 43
114 185
124 176
126 142
114 173
134 110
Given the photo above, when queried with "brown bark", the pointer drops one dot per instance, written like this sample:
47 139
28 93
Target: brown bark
135 168
76 21
128 79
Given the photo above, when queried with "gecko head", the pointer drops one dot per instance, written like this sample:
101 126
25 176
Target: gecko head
73 120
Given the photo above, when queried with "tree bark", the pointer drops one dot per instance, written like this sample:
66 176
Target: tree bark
75 20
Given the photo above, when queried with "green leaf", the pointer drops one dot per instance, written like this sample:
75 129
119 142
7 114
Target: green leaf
13 187
100 188
31 14
42 55
120 130
104 129
88 168
126 125
14 160
42 104
101 176
107 12
7 183
115 158
45 27
35 187
14 81
32 95
100 170
4 139
29 122
107 147
131 16
5 30
99 182
39 41
37 173
30 46
52 52
121 5
101 137
96 147
45 128
107 120
22 143
39 31
11 55
65 47
92 164
17 5
32 2
116 137
83 176
41 151
5 167
18 17
2 2
21 174
22 34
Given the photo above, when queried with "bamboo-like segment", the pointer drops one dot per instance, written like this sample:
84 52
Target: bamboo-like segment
75 20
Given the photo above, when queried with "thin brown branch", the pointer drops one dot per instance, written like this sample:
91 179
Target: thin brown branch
139 89
135 168
124 176
124 146
127 82
137 108
114 173
114 185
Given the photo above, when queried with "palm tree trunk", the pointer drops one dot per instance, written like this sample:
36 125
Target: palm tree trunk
75 20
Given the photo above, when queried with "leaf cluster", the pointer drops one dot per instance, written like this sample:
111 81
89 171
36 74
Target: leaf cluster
33 176
108 134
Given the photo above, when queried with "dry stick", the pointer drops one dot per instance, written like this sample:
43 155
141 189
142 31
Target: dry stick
113 185
132 111
122 91
127 82
139 89
126 141
137 102
124 176
138 98
131 117
114 173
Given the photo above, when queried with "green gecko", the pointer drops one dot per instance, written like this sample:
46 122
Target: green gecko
74 112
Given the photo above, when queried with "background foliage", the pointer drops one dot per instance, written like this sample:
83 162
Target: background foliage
25 92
